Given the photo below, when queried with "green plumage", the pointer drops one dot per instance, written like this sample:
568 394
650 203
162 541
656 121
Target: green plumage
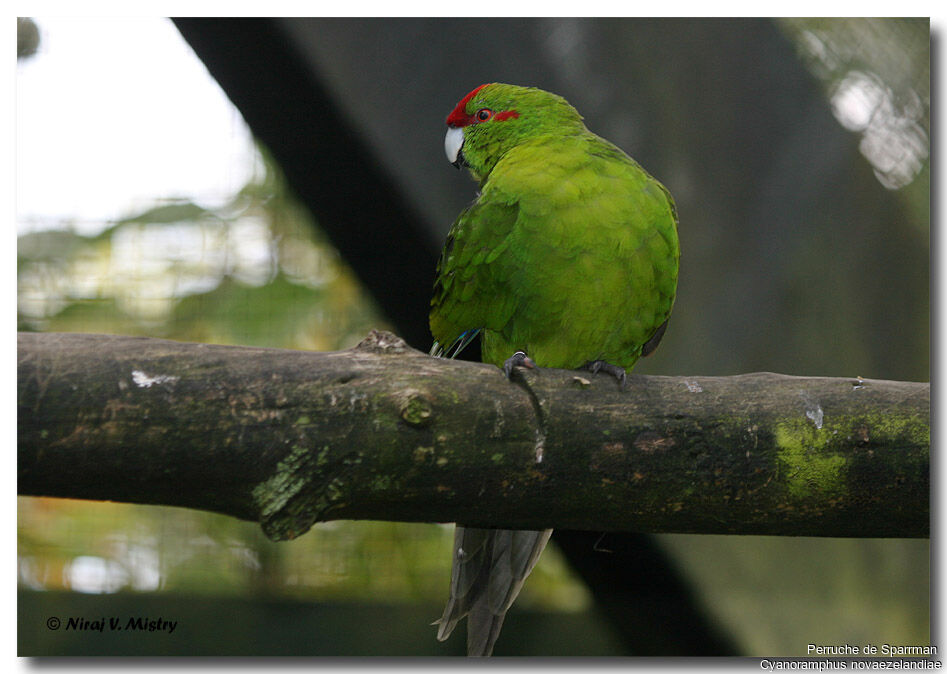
569 253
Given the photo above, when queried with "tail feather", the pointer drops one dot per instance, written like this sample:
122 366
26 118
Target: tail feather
490 567
468 571
483 628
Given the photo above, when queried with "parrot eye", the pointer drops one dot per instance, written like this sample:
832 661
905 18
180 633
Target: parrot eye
483 114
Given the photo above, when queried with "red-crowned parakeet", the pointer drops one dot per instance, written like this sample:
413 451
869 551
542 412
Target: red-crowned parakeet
567 258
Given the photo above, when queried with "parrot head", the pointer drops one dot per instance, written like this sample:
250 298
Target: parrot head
494 118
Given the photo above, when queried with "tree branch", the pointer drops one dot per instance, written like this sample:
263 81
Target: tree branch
382 431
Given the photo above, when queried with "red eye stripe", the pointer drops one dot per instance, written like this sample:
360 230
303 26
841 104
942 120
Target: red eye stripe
460 118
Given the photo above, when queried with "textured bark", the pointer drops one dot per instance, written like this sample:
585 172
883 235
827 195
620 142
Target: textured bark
382 431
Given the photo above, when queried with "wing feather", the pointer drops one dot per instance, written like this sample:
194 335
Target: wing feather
469 289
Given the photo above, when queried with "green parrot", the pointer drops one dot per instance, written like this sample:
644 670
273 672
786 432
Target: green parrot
567 258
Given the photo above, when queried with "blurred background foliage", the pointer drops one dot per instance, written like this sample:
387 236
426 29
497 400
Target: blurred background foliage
256 270
876 74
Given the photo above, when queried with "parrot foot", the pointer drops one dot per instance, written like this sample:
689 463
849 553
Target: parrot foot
596 366
518 359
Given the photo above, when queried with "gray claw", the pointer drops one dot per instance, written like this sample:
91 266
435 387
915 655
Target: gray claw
518 359
596 366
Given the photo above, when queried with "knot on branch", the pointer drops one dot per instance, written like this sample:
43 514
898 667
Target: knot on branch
382 341
416 408
294 498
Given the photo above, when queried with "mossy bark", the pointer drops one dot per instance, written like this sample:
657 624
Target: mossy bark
382 431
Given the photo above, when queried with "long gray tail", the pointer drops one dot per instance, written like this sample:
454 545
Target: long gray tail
490 566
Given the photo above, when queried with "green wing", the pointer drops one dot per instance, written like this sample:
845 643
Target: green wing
470 292
570 254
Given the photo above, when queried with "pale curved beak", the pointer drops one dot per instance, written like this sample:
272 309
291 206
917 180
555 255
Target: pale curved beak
453 142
